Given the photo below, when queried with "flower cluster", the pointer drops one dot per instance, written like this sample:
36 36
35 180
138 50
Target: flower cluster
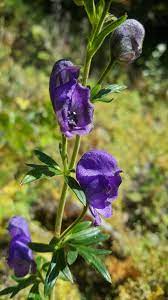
20 255
98 174
70 100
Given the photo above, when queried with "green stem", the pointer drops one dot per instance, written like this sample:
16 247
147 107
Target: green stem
102 19
106 71
62 201
75 222
64 152
75 152
60 210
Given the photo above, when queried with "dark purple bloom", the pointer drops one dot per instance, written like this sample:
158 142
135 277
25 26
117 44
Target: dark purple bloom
70 100
127 41
20 256
99 176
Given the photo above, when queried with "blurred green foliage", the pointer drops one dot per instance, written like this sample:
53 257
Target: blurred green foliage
133 128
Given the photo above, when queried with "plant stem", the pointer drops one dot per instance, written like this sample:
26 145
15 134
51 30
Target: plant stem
62 201
60 210
75 152
106 71
75 222
64 152
102 19
61 205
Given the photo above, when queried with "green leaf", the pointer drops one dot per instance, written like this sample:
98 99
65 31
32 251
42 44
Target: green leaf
90 10
95 90
7 290
52 273
34 293
40 247
81 226
84 236
113 88
99 9
94 251
40 261
58 264
96 239
96 263
76 188
72 256
22 285
36 174
46 159
105 32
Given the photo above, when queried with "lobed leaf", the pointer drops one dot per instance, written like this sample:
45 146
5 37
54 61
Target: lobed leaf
34 293
95 262
84 236
46 159
81 226
22 285
7 290
40 247
58 265
72 256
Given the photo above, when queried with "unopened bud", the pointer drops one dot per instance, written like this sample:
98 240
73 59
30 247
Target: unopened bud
127 41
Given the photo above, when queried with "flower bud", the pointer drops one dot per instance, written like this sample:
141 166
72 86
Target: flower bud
127 41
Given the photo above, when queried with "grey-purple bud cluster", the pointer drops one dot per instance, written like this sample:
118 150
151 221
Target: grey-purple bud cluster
127 41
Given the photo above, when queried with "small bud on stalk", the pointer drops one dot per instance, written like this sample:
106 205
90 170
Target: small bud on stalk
127 40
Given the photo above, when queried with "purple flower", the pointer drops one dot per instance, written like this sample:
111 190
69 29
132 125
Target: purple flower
99 176
20 256
127 41
70 100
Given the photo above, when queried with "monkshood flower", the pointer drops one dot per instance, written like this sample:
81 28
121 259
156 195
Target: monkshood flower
20 256
127 41
99 176
70 100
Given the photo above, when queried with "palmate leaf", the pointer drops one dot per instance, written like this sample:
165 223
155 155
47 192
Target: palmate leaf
72 256
46 159
22 285
7 290
92 250
81 226
40 247
83 236
58 265
40 172
76 188
34 293
103 94
93 259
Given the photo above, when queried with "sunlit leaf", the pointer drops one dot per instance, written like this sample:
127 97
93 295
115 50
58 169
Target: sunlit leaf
76 188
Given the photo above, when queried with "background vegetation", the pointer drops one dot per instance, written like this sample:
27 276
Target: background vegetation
33 35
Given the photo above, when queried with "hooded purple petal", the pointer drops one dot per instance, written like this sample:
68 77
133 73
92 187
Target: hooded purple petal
20 256
17 226
71 101
98 175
